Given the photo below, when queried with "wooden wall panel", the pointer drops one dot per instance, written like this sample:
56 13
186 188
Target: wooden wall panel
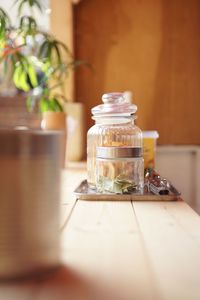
151 47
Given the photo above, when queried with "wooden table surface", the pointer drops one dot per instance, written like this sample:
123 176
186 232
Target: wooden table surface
119 250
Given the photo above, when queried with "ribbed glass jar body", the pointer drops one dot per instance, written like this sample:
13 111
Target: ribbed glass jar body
110 131
120 175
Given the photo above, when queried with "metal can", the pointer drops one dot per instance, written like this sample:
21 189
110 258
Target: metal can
30 168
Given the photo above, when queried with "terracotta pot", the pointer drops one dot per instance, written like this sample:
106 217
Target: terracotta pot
53 121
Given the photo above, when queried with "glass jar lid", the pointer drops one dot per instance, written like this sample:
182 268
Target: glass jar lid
114 104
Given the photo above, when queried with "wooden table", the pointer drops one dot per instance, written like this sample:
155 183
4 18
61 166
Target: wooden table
119 250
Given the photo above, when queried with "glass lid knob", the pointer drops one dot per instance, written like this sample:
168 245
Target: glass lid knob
113 98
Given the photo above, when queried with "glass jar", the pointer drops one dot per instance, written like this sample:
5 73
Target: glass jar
114 127
119 170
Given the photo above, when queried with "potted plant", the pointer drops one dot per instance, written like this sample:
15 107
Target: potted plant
37 61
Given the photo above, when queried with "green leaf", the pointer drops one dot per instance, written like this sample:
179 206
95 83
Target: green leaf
16 76
51 104
28 25
43 50
2 27
64 47
20 79
4 24
45 67
15 3
37 3
4 15
29 3
23 82
13 64
55 105
32 75
58 54
29 103
43 105
20 7
5 66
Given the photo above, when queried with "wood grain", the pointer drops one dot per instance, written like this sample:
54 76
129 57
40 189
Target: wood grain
102 241
150 47
119 251
71 177
171 234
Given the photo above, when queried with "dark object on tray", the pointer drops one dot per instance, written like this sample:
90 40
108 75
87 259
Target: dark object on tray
156 184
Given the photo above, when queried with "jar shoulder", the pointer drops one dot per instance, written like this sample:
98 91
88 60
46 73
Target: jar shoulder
112 128
93 129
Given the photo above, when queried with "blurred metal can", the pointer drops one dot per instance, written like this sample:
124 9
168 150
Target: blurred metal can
30 169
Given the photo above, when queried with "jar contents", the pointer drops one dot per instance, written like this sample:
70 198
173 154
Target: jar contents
120 170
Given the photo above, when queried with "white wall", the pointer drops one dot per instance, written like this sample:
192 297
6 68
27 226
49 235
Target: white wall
43 19
181 165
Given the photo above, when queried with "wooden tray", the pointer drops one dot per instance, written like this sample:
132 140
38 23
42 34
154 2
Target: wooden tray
83 192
